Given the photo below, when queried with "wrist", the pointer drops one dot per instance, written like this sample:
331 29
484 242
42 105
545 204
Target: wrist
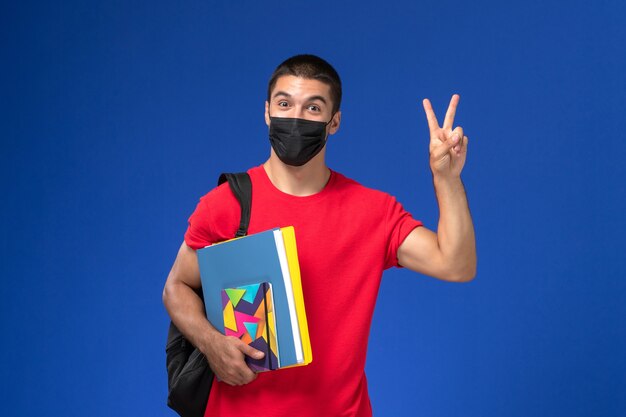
447 180
208 340
447 186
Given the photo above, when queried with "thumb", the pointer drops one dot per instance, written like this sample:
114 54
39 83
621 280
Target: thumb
454 140
250 351
442 150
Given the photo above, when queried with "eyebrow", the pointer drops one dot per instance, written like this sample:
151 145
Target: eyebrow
312 98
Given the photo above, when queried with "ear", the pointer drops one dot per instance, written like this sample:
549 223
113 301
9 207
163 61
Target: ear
267 113
333 127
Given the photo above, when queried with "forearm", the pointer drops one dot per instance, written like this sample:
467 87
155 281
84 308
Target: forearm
455 231
183 303
224 353
186 310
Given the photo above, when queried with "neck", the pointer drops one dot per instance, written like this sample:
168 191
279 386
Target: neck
306 180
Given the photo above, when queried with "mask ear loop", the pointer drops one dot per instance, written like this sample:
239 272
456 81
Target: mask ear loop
331 119
327 123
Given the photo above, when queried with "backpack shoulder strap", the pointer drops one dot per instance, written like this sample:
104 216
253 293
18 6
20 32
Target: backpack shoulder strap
241 186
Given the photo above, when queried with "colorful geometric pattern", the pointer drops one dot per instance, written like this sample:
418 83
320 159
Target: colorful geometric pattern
249 315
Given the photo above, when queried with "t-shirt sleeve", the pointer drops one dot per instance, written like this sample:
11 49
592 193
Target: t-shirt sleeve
399 223
215 219
198 234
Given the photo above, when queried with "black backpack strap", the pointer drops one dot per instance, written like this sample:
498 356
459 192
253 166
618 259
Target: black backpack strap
241 186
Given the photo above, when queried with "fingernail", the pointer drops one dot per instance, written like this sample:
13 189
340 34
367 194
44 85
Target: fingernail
455 137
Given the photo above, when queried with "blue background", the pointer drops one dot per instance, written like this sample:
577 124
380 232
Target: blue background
117 116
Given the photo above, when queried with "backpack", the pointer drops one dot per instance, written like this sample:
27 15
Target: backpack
189 376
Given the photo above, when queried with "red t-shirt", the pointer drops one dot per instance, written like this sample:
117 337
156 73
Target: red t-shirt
347 235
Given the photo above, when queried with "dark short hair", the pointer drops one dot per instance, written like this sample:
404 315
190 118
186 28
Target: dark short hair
310 67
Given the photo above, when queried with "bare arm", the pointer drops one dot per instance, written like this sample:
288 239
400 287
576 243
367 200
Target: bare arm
449 254
224 353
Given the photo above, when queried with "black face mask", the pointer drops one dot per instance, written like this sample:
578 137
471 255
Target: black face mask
297 141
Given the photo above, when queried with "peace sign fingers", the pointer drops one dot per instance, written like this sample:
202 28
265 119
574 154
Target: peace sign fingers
433 124
449 120
447 145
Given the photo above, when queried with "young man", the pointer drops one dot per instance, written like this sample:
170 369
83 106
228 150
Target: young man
347 236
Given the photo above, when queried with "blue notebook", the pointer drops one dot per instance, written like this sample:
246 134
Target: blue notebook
246 261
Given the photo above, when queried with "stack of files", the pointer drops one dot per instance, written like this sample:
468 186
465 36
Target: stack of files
260 273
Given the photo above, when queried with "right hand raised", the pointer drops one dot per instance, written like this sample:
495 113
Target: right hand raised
226 357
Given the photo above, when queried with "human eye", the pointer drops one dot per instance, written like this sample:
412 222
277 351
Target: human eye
314 108
283 103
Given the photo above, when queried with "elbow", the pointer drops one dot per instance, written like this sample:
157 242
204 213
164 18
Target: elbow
167 294
467 269
164 296
465 276
462 273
